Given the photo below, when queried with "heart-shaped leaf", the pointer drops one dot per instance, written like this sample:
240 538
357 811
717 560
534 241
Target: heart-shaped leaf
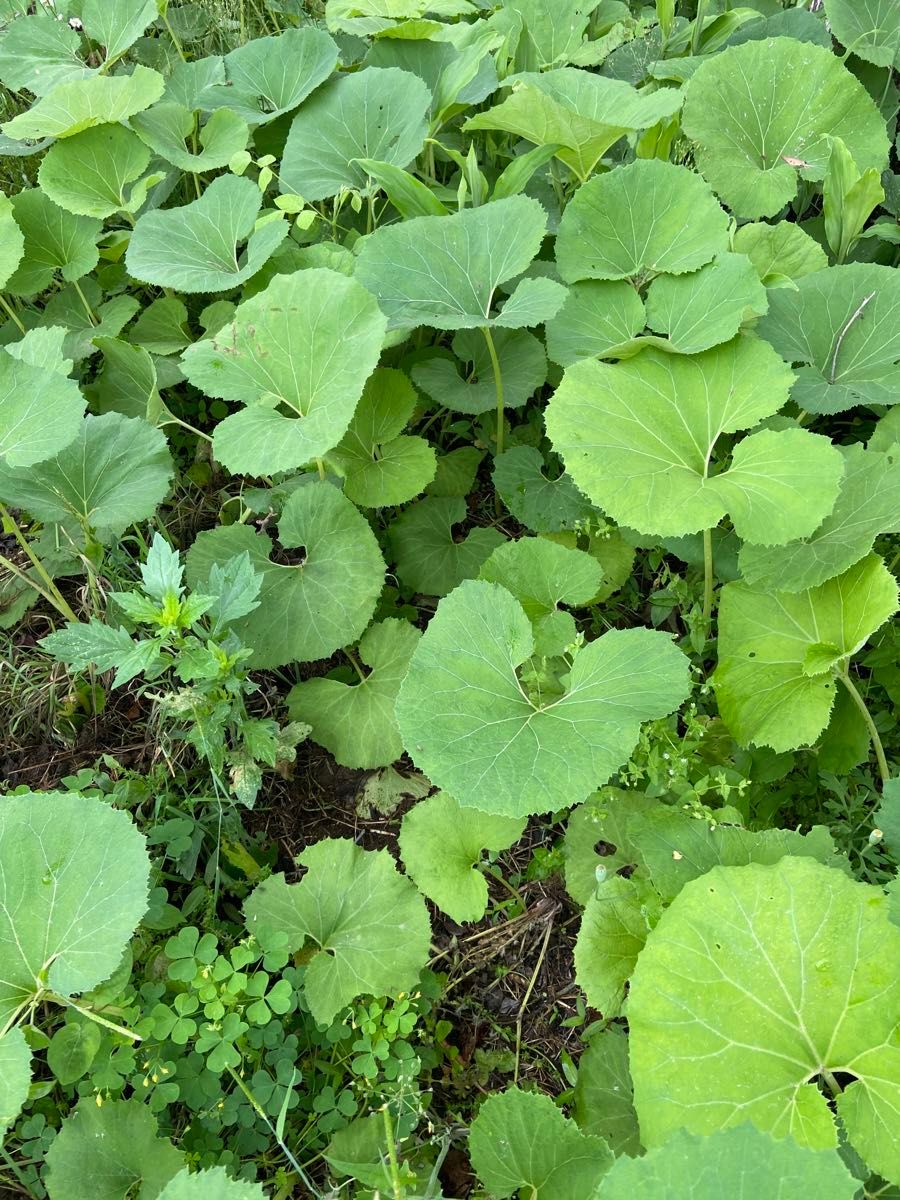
429 559
765 112
604 1101
87 174
765 695
195 248
307 609
367 925
252 360
55 240
543 503
469 724
37 52
727 1028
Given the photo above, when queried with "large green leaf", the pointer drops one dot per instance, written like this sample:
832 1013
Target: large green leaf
216 1184
166 126
870 29
445 271
469 724
429 558
707 307
728 1163
195 248
764 112
117 24
614 929
356 722
108 1152
580 112
79 104
15 1076
639 437
597 317
598 843
37 52
523 365
604 1096
73 886
550 36
268 77
55 240
542 576
40 406
116 471
757 983
778 651
843 324
12 240
780 252
546 504
304 317
648 218
380 464
520 1143
310 609
867 506
441 843
374 113
87 174
368 925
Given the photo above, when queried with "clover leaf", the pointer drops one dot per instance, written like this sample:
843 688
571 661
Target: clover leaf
648 218
252 360
471 727
723 1164
356 721
639 436
445 271
843 324
307 609
378 113
779 652
367 924
73 887
521 1140
441 844
738 1026
763 113
195 248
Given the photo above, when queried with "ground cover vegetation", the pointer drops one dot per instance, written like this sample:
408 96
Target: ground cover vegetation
450 497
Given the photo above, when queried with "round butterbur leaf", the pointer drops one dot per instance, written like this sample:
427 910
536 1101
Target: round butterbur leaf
55 240
213 1184
429 558
376 113
707 307
709 1168
15 1076
764 113
648 218
543 503
322 600
291 417
441 844
598 317
87 174
870 29
523 365
366 924
472 728
73 887
41 407
739 1026
78 104
194 248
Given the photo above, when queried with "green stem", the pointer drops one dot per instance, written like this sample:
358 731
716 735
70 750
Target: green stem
171 32
86 1012
699 22
173 420
498 386
396 1182
857 699
263 1115
709 578
354 661
84 300
12 314
50 591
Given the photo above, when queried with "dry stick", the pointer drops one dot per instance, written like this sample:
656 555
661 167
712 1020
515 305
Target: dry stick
520 1018
843 334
